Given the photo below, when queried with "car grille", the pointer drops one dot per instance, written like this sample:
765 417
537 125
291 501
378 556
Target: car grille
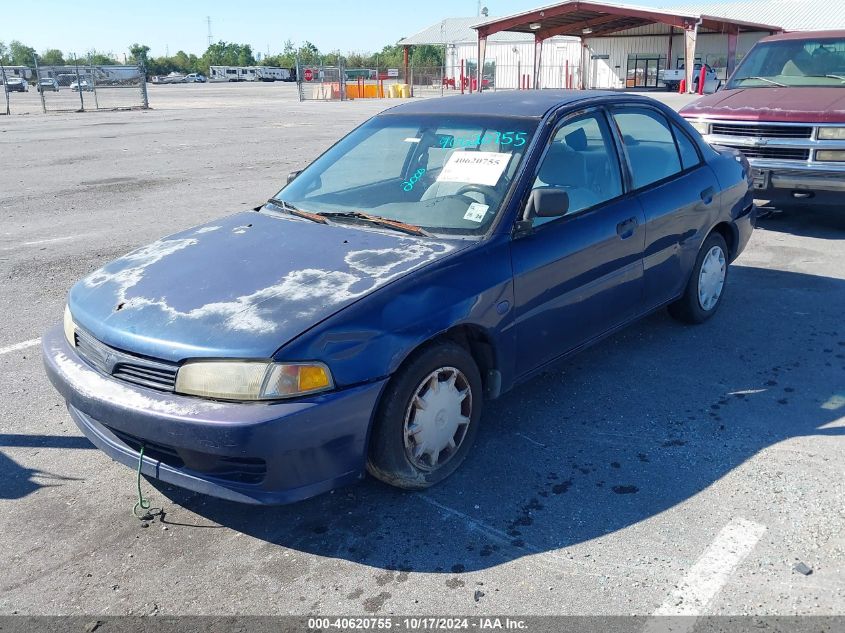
764 131
780 153
245 470
138 370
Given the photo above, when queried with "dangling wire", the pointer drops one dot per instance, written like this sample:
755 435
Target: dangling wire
142 504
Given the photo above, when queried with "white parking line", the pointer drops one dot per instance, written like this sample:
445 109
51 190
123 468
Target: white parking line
544 557
18 346
708 574
49 240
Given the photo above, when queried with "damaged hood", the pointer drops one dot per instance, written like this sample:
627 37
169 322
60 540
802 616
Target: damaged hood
240 287
786 105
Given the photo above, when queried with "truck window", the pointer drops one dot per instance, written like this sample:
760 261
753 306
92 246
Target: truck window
793 62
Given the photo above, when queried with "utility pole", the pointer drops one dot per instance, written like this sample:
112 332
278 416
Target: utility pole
208 22
38 85
5 87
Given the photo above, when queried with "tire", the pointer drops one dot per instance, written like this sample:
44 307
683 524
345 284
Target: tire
393 451
690 308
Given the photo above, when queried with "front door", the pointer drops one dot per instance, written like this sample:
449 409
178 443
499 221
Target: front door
579 275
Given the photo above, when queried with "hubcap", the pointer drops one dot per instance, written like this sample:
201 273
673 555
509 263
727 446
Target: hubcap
711 278
437 418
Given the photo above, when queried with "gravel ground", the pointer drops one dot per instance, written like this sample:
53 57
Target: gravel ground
592 490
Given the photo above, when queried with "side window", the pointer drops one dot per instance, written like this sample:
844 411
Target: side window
648 141
582 161
686 148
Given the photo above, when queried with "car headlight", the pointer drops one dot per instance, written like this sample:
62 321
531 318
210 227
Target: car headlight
832 155
70 327
702 127
251 380
831 134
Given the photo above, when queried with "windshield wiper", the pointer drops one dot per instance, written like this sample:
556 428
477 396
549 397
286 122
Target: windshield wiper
767 80
287 206
375 219
839 77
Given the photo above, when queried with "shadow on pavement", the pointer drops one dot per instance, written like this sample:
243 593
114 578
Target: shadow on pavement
806 221
618 434
17 481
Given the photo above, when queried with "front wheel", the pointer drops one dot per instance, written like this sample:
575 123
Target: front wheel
703 293
427 419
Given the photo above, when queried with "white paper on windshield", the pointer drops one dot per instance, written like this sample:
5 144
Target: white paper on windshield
478 168
476 212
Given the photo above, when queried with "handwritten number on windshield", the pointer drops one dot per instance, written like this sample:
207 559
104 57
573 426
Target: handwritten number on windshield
518 139
408 185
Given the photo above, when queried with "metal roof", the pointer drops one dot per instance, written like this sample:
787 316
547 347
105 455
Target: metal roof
577 17
790 15
456 31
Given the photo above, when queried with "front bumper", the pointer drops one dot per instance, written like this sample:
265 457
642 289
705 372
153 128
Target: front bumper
263 453
795 183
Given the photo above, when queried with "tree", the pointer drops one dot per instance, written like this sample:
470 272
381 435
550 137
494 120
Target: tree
52 57
20 54
139 53
4 53
308 53
228 54
99 59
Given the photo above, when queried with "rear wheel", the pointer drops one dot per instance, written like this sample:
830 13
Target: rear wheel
704 290
427 419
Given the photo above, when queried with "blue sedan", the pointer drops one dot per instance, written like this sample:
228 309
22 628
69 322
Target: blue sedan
439 255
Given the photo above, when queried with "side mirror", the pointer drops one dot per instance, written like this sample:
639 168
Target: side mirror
712 85
292 175
547 202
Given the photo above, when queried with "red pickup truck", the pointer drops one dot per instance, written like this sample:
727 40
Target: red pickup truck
784 108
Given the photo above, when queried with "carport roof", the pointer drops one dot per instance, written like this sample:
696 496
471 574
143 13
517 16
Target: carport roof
456 31
598 19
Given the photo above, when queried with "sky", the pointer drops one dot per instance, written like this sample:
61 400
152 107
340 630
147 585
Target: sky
76 26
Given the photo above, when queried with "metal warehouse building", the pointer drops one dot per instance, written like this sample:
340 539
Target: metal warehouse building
607 45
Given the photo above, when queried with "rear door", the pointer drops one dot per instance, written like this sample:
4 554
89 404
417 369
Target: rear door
578 275
677 191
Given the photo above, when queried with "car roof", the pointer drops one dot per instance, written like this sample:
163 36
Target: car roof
518 103
806 35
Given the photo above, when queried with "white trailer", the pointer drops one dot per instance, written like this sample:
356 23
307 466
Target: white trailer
226 73
271 73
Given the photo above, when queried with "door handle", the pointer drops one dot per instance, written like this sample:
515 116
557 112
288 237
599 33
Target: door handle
707 195
626 228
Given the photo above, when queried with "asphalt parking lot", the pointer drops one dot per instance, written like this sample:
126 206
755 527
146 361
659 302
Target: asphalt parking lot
603 487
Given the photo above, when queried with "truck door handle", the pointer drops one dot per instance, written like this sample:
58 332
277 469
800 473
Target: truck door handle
626 228
707 195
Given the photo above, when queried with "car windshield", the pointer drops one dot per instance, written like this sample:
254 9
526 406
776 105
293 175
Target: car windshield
445 174
785 63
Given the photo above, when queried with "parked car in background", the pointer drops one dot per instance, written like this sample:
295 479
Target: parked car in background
195 78
82 85
171 78
65 79
437 256
16 84
672 77
784 109
47 84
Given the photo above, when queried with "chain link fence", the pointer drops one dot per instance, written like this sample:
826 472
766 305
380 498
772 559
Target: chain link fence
321 83
463 78
73 88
